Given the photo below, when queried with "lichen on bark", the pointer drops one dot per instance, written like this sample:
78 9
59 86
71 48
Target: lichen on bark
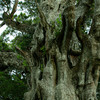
69 68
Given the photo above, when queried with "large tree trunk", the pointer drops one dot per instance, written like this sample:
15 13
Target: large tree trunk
64 71
64 66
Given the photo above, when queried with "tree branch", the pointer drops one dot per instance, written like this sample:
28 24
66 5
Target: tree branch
26 55
22 52
14 8
19 26
10 59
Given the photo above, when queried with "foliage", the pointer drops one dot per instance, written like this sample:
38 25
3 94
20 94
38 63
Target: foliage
43 50
25 63
20 57
7 31
77 2
58 25
5 4
22 18
3 45
23 41
26 19
36 20
12 87
30 6
41 67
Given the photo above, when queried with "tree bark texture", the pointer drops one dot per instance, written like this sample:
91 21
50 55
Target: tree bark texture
67 68
69 72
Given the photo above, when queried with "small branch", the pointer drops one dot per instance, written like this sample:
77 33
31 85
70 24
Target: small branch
42 16
3 23
26 55
14 8
19 26
22 52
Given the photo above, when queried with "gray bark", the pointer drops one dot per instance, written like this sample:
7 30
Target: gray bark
59 80
68 68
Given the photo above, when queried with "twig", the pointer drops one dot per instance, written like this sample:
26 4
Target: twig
3 23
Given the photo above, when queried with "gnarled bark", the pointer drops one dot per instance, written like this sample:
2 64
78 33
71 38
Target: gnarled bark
63 71
57 80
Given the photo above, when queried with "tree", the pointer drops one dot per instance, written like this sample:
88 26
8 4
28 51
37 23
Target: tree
63 58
